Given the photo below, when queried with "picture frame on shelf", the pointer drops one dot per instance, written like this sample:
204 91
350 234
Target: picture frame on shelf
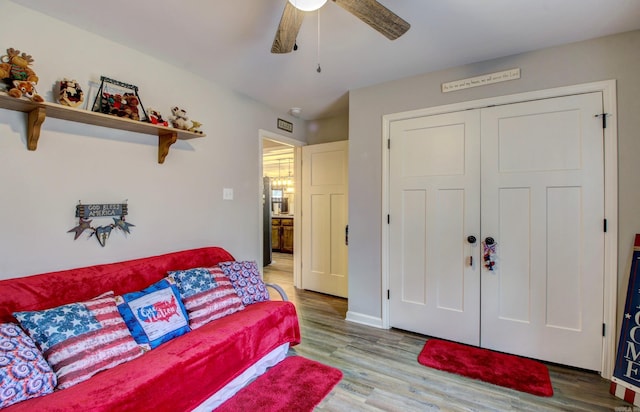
92 93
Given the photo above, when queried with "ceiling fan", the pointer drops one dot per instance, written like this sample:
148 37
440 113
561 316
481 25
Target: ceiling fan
369 11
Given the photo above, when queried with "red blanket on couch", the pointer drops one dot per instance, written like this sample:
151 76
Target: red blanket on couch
176 376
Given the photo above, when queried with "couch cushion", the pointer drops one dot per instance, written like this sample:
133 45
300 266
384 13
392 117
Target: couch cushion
154 315
207 294
81 339
24 373
245 278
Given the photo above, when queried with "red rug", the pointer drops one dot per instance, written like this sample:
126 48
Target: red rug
295 384
510 371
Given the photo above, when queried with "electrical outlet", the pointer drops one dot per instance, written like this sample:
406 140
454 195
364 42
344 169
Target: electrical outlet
227 193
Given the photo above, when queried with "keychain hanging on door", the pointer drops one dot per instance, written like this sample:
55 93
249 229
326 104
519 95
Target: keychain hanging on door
489 253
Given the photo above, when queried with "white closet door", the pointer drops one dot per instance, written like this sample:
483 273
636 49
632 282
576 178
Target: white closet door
434 204
531 176
543 203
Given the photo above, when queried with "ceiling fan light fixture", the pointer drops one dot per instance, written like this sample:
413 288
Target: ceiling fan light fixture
307 5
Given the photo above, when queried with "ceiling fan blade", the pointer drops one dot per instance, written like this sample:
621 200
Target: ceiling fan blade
288 29
377 16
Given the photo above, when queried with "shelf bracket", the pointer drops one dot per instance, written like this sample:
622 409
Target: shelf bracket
165 140
35 119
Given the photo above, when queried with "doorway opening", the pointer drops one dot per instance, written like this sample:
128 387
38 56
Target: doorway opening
279 232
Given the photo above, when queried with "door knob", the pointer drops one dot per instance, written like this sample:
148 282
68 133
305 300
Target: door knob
489 241
472 240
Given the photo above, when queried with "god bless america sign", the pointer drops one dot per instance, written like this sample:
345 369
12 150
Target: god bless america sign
627 370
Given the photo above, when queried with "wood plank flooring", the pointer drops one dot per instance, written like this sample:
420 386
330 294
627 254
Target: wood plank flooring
381 372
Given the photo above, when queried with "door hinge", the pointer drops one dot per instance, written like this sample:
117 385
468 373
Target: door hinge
604 119
605 226
388 219
603 329
388 294
388 143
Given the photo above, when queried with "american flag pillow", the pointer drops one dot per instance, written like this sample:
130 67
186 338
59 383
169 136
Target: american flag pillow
207 294
81 339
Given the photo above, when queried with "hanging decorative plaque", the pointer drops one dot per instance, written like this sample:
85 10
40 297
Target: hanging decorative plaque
87 213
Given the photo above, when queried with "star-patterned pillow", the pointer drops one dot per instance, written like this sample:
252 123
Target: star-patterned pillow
52 326
81 339
193 281
207 294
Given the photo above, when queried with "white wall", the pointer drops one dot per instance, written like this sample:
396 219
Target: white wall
328 130
174 206
613 57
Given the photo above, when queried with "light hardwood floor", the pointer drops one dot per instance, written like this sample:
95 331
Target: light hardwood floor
381 372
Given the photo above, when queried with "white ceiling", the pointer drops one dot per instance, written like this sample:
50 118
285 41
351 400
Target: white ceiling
229 41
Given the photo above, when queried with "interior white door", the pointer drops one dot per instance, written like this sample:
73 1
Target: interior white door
531 176
325 217
434 202
543 202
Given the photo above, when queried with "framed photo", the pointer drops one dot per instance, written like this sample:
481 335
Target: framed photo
120 99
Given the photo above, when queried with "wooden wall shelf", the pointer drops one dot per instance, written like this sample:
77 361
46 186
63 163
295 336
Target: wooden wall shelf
37 112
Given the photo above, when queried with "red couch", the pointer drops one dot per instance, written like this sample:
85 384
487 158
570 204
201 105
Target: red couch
176 376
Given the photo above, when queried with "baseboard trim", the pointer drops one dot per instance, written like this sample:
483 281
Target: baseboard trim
364 319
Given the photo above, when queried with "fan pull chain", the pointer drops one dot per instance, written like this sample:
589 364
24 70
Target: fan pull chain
295 18
319 69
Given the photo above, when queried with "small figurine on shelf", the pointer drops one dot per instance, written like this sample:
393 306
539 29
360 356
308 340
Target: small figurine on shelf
70 93
179 119
156 118
15 66
195 127
26 89
21 79
130 104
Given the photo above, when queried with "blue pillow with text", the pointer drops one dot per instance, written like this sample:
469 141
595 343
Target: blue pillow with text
154 315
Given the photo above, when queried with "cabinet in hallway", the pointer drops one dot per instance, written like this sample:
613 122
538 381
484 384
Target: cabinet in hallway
282 234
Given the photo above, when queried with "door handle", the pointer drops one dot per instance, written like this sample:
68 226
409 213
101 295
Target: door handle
472 241
346 235
489 241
